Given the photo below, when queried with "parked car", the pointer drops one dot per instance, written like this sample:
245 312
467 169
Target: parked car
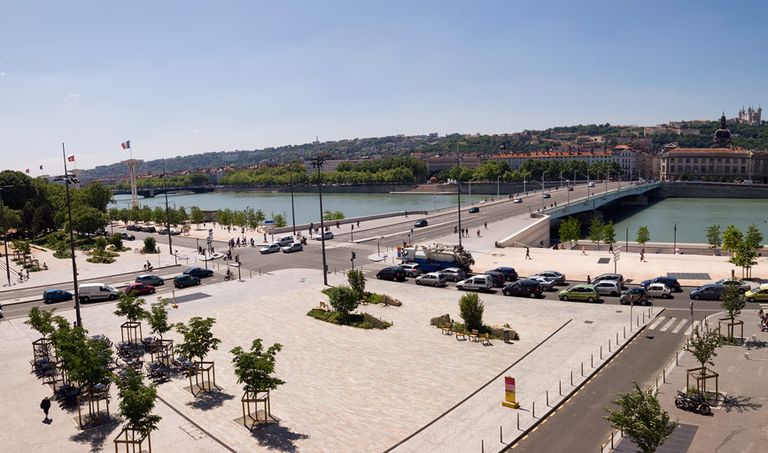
510 274
198 272
554 275
51 296
579 292
477 283
618 278
421 223
634 296
271 248
546 283
474 210
523 288
658 290
591 184
283 241
132 227
432 278
708 292
1 310
498 278
127 236
96 291
149 279
139 289
147 229
607 288
742 285
759 294
184 280
411 269
669 282
319 237
392 273
295 247
454 274
517 200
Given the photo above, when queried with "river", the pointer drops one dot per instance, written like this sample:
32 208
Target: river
306 205
691 215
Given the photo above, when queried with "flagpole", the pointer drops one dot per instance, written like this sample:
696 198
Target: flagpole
71 239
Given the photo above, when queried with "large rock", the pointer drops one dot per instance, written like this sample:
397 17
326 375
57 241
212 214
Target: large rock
389 300
440 320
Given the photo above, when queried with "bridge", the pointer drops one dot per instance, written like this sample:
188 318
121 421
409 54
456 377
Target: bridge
152 192
634 193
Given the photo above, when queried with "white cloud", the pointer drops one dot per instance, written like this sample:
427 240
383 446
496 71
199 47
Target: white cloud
3 74
72 97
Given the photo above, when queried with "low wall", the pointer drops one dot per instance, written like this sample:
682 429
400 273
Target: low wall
709 190
533 235
332 223
310 188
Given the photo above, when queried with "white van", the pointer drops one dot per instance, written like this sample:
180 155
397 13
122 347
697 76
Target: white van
96 291
476 283
285 241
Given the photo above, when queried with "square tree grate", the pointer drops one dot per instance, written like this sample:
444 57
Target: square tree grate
603 260
689 275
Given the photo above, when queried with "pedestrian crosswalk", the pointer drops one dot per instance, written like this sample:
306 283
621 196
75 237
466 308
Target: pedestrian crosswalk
671 324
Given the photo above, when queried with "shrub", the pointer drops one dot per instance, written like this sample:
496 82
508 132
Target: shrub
356 280
100 243
361 321
117 241
150 245
471 310
343 299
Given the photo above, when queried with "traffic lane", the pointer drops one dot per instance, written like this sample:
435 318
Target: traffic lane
578 425
22 309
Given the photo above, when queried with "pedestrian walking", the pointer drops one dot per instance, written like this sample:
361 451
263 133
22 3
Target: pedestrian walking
45 405
527 253
485 224
610 248
358 224
642 255
582 250
589 280
478 232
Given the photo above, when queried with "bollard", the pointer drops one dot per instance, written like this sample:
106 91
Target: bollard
592 360
637 317
582 369
482 446
547 398
601 352
657 382
664 376
643 317
625 332
560 386
571 377
609 345
518 421
501 435
533 409
677 358
617 338
259 272
612 447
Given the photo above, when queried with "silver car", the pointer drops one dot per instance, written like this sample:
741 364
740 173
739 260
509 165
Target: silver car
742 285
618 278
454 274
607 288
559 278
432 278
411 269
546 283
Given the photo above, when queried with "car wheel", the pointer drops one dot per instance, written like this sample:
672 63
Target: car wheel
742 290
152 291
418 282
112 297
459 287
378 276
564 298
84 299
504 292
531 294
590 299
695 297
614 294
750 299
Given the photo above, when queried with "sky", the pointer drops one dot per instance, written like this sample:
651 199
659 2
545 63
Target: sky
185 77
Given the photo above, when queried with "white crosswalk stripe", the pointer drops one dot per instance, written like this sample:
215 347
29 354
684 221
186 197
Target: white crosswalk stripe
667 325
656 322
679 327
671 324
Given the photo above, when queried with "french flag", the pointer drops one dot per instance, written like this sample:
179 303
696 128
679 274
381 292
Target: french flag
71 158
126 144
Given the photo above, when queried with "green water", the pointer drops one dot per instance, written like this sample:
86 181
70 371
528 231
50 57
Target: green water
691 215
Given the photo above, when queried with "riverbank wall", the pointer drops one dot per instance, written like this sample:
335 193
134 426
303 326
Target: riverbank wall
709 190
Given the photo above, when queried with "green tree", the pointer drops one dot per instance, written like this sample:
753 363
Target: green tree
714 236
137 401
640 417
255 368
157 318
609 233
343 299
356 280
42 321
198 338
87 220
197 215
279 221
150 245
733 302
117 241
731 239
703 346
643 235
471 310
570 230
596 230
131 307
753 238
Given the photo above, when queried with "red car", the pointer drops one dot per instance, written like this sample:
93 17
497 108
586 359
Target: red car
139 289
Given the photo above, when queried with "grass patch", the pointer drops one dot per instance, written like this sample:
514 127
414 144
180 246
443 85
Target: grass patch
374 298
361 321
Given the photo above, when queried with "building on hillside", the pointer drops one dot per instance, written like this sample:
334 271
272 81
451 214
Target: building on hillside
623 155
750 115
439 163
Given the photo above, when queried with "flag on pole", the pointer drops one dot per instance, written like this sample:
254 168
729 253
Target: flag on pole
41 167
126 144
26 171
71 158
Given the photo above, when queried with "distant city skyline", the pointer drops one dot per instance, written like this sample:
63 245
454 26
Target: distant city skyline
179 78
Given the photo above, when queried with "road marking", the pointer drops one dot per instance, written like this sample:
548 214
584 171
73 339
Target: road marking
656 322
689 330
667 325
680 326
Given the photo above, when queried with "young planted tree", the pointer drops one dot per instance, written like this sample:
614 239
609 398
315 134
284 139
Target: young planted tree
731 239
255 368
157 318
150 245
343 299
643 235
136 404
609 233
703 346
640 417
596 230
471 310
733 302
279 220
197 216
131 308
42 321
714 236
198 338
356 280
570 230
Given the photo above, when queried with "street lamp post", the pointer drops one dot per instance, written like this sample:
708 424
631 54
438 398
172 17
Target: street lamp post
69 179
168 218
293 212
458 189
318 164
674 240
378 246
5 240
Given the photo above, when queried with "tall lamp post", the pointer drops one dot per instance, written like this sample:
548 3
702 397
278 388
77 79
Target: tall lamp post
5 240
168 216
674 240
71 179
293 212
458 189
317 162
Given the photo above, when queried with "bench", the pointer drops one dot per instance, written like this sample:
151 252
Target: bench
474 335
487 340
446 329
460 335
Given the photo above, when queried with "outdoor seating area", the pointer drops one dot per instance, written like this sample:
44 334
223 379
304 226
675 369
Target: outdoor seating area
473 335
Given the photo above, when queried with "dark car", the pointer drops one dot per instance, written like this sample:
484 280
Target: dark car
198 272
499 279
474 210
523 288
635 296
127 237
149 279
669 282
184 280
392 273
147 229
509 273
132 227
421 223
547 195
51 296
139 289
708 292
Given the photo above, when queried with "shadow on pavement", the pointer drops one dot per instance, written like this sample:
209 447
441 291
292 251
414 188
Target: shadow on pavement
97 435
740 404
278 437
206 401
